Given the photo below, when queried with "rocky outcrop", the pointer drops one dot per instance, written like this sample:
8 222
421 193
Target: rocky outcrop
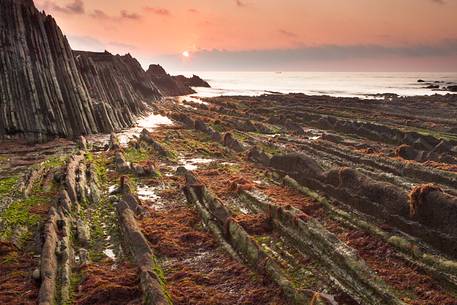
118 87
432 210
174 85
167 84
47 90
42 93
194 81
452 88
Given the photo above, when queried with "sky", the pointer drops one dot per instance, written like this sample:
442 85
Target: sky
271 35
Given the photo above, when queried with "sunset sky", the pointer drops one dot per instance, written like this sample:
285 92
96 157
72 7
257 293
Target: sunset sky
317 35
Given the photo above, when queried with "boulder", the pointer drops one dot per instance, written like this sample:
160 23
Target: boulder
216 136
82 143
452 88
114 142
83 232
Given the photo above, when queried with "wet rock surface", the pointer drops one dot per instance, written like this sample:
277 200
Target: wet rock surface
351 167
252 216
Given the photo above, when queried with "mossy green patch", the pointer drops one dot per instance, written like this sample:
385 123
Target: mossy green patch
7 185
100 164
17 218
160 276
229 168
103 224
239 136
188 141
270 149
433 133
54 162
302 276
135 155
75 279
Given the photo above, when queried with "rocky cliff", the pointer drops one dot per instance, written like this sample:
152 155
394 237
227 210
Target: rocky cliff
48 90
42 93
118 87
174 85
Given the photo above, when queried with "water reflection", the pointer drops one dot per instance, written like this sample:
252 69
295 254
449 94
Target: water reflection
149 122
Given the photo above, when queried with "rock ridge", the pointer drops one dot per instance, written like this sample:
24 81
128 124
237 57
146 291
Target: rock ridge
47 90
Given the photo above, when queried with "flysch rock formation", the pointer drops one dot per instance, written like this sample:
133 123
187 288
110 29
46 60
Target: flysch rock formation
166 83
47 90
118 87
42 93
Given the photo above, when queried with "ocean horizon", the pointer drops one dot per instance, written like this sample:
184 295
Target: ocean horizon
340 84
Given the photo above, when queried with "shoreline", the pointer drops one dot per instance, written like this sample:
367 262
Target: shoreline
195 98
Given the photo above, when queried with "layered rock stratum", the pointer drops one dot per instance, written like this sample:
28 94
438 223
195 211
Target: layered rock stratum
48 90
118 87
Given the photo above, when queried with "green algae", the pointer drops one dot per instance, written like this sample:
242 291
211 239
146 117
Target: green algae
137 155
54 162
99 164
18 215
7 185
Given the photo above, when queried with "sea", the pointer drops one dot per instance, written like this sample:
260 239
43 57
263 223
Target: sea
342 84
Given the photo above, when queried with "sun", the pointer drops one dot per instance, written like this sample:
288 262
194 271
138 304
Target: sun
186 54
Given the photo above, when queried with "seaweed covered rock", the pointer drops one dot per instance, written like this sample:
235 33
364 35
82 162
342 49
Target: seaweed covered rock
417 197
388 195
452 88
431 206
122 165
406 152
297 164
441 153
